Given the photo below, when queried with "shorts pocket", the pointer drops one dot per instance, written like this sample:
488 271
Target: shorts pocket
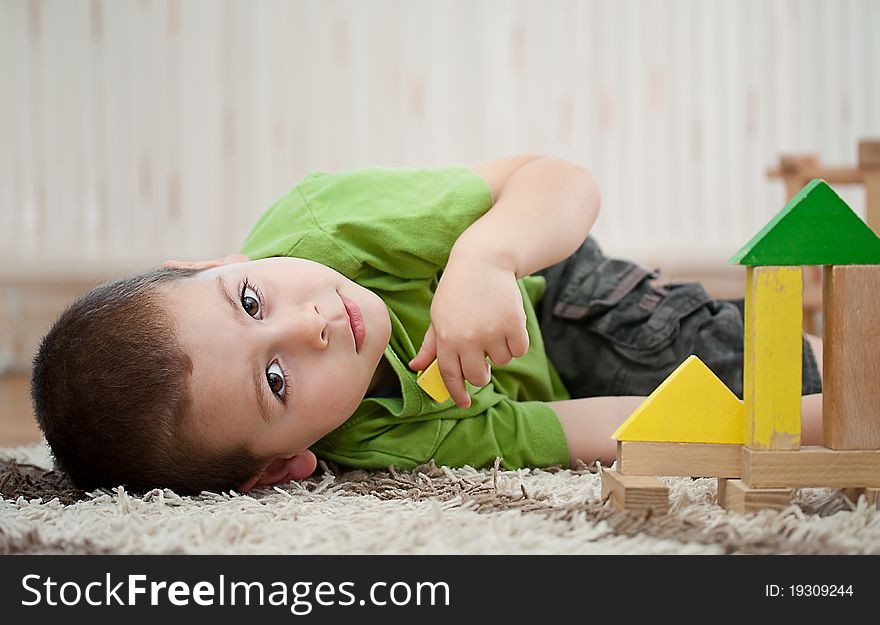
638 320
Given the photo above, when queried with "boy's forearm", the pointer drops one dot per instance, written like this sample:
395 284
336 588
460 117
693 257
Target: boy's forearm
589 422
541 216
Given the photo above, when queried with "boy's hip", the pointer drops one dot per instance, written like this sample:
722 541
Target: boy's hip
610 328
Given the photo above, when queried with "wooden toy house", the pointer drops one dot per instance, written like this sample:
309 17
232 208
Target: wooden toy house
687 426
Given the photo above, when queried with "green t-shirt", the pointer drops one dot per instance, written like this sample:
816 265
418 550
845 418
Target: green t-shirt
391 231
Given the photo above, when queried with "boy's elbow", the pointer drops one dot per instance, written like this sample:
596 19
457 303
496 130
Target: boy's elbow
579 183
592 202
588 182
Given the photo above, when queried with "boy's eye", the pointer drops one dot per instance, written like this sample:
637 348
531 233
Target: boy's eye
275 378
250 301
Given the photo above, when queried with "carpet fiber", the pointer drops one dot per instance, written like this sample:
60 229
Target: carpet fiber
430 510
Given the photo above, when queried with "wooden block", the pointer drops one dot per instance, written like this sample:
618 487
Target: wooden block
812 298
431 382
815 228
807 172
851 357
791 163
811 467
26 312
690 406
772 358
872 495
872 199
17 425
852 494
794 182
639 494
869 154
683 459
735 496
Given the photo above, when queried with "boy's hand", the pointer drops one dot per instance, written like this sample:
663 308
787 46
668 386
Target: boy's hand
476 312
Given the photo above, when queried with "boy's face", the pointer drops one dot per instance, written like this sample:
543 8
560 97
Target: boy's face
275 360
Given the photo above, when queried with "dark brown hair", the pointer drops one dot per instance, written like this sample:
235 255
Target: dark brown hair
110 391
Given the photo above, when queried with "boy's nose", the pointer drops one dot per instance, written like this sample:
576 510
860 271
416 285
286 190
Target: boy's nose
304 327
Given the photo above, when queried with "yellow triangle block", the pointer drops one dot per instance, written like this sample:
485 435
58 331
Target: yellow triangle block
690 406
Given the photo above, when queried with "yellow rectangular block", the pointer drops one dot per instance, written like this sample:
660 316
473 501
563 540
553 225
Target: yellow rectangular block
772 358
431 382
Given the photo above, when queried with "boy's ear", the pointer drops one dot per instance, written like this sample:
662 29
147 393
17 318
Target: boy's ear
205 264
283 470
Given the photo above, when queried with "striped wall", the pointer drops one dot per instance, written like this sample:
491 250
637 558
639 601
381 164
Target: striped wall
137 130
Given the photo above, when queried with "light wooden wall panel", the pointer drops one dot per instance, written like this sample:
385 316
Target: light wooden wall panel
136 130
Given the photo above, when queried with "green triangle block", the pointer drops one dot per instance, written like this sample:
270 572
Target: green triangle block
815 228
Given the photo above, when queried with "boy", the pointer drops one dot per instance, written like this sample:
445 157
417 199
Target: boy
238 372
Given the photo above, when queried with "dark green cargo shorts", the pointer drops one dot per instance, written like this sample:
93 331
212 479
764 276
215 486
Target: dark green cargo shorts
610 328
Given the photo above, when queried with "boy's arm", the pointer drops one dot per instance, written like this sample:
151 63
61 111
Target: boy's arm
543 210
588 424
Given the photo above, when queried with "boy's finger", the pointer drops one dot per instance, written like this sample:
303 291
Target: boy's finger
518 344
475 368
499 353
453 379
427 352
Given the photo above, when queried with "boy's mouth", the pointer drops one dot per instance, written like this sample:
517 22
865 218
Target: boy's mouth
355 321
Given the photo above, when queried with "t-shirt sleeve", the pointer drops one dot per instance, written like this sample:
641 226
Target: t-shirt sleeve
397 221
520 433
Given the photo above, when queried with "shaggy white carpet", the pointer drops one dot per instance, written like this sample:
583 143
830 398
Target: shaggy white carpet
429 510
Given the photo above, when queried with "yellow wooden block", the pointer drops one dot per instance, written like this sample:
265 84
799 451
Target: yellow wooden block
432 383
690 406
772 359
